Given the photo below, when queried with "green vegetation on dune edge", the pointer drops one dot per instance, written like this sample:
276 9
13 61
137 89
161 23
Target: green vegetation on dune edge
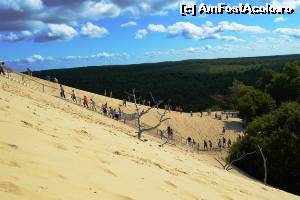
193 84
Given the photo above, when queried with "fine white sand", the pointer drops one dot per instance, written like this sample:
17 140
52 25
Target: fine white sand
53 149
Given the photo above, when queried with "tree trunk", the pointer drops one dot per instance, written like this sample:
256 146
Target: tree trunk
265 165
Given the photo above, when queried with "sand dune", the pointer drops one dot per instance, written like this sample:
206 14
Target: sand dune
53 149
199 128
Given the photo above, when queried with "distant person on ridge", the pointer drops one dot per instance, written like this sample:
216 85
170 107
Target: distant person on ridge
85 102
224 142
2 68
229 143
29 72
205 145
169 131
93 105
73 96
55 80
189 140
62 92
210 145
220 144
124 102
224 130
191 113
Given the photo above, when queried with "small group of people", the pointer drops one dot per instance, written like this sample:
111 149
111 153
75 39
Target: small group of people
222 143
91 104
221 116
169 132
190 141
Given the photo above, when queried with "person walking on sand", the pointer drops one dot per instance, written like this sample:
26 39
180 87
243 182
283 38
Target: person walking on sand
2 68
224 142
210 145
205 145
73 96
220 144
124 103
85 102
189 140
169 132
93 105
229 143
224 130
62 92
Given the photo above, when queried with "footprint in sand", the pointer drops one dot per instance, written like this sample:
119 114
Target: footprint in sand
59 146
84 134
8 147
171 184
27 124
108 171
9 187
10 163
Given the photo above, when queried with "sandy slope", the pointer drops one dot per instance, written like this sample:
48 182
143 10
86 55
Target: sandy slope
52 149
183 124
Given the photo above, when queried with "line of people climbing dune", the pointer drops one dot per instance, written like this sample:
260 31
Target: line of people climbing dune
117 114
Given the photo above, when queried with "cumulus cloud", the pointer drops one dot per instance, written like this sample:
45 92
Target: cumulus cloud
227 26
292 32
13 37
100 55
98 10
295 4
57 32
156 28
93 31
279 19
140 34
207 30
128 24
35 58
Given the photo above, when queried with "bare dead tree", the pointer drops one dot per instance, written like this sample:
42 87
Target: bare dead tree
265 164
139 114
228 165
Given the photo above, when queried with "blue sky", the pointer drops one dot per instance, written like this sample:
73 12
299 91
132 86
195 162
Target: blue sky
43 34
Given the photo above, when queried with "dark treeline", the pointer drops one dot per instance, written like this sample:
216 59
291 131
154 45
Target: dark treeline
193 84
271 109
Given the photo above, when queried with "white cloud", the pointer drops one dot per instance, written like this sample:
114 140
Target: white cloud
96 10
12 37
192 31
229 38
57 32
295 4
36 58
140 34
227 26
279 19
21 5
207 30
156 28
128 24
93 31
292 32
102 55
